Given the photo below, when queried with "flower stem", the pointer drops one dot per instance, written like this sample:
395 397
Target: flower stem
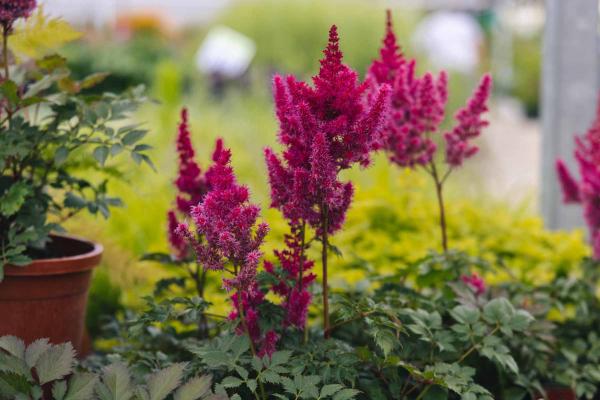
5 30
324 237
439 191
240 308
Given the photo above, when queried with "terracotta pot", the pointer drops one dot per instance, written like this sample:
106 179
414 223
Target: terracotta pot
560 393
48 298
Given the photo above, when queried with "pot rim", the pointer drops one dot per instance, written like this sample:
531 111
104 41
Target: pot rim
61 265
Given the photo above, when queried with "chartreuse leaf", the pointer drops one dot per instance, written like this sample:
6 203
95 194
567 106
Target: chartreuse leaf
40 34
163 382
194 389
55 363
13 345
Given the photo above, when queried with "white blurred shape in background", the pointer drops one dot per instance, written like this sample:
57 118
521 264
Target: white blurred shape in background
225 53
450 40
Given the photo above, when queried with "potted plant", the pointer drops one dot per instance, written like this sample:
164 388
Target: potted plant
55 138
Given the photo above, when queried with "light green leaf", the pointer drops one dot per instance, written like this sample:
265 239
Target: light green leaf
116 383
59 389
13 345
498 311
55 363
81 386
163 382
194 389
35 350
231 382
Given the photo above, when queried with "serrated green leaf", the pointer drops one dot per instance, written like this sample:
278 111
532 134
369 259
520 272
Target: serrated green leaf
194 389
14 365
163 382
59 389
231 382
13 345
252 385
81 386
35 350
346 394
55 363
499 311
330 390
280 357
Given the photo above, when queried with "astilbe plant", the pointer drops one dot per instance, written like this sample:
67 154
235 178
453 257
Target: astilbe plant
586 191
227 238
324 128
418 110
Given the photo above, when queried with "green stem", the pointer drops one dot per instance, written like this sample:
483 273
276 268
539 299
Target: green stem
324 237
439 188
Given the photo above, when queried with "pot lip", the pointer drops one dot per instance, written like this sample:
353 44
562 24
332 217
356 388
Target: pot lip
61 265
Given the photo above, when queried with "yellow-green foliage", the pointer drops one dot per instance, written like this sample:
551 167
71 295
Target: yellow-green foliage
39 34
395 221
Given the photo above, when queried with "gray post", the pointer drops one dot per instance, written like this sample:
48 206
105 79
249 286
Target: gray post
569 94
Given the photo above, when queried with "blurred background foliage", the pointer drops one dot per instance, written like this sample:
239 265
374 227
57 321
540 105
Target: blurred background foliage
393 220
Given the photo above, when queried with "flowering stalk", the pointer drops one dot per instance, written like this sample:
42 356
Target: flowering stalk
586 191
417 111
227 238
324 128
10 11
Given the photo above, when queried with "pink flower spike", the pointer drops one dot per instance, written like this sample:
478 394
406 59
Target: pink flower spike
475 282
569 186
469 125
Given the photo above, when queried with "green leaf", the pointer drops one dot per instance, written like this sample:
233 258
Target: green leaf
93 79
101 154
13 365
330 390
55 363
60 156
194 389
81 386
59 389
499 311
14 198
163 382
280 357
10 91
465 314
346 394
231 382
116 383
252 384
436 393
521 320
115 149
13 345
133 136
35 350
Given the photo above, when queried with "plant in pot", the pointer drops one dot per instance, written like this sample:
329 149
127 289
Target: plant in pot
55 139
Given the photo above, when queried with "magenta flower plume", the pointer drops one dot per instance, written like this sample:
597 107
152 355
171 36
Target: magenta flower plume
587 190
417 104
293 279
11 10
469 126
324 129
475 282
190 182
568 184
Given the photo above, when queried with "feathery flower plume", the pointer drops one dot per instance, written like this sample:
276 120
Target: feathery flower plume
227 238
324 128
587 190
417 111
